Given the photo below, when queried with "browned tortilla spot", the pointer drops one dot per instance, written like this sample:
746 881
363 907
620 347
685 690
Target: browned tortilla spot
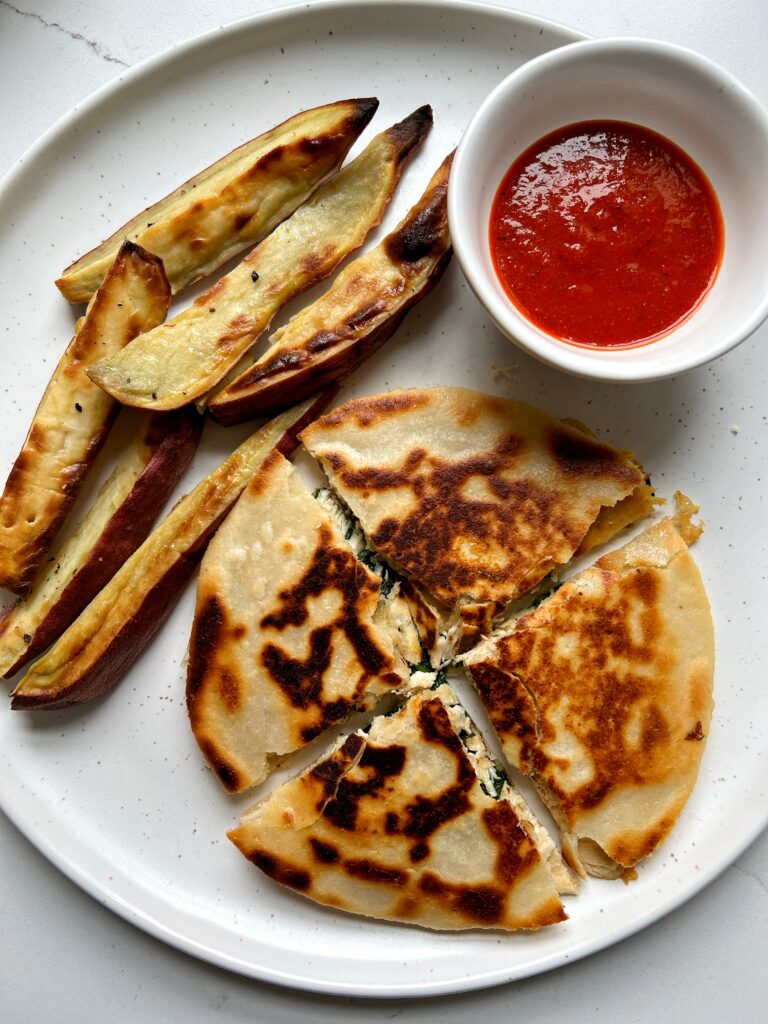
372 872
227 773
326 853
229 688
478 903
301 680
329 772
368 411
579 457
280 870
379 765
208 629
332 711
513 711
517 854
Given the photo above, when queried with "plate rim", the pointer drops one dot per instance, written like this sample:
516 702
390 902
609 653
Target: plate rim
286 12
99 890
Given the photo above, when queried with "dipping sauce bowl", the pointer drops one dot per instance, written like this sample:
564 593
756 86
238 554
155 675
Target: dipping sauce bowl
676 93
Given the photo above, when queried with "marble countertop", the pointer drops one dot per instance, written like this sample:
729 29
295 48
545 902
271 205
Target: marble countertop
67 958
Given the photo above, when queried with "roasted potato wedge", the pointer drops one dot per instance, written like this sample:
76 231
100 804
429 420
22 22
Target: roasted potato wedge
234 202
189 355
106 638
364 307
116 524
74 416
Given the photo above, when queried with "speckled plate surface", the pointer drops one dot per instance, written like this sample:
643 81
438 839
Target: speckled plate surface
115 792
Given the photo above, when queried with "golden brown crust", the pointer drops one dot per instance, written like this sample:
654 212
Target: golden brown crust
600 692
235 202
74 416
284 642
364 307
121 518
172 366
395 824
102 643
475 497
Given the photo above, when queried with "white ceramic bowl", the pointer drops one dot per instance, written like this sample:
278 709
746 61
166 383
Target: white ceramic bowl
674 91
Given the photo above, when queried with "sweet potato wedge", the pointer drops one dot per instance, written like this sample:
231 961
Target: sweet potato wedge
363 308
183 359
106 638
234 202
122 515
74 416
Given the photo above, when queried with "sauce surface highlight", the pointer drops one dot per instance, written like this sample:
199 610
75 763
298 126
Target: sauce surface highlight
606 234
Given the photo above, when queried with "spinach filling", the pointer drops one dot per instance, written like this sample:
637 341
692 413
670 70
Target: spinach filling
440 676
546 588
424 665
497 781
370 559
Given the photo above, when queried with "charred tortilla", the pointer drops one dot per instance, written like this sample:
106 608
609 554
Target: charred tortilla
284 641
475 497
603 694
409 822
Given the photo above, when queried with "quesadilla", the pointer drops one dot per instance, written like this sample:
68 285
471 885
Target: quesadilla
411 821
603 695
399 604
475 498
287 639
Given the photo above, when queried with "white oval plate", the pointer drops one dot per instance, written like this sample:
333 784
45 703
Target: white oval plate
115 793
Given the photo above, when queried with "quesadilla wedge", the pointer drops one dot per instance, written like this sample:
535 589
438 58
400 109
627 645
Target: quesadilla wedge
603 695
284 641
411 821
475 498
353 319
115 525
395 610
191 354
234 202
107 637
74 416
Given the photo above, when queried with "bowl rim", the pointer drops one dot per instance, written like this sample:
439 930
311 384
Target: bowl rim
635 364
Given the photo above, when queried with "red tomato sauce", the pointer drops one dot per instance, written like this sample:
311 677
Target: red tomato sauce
606 234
